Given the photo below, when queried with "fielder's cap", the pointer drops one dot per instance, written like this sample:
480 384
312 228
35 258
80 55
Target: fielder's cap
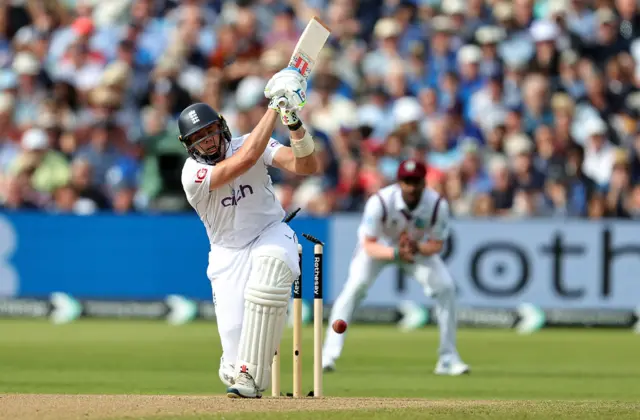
411 169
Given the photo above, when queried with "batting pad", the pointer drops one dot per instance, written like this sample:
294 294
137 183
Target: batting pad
265 310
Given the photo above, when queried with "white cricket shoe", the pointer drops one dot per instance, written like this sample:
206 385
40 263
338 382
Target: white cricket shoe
451 367
329 367
226 377
244 387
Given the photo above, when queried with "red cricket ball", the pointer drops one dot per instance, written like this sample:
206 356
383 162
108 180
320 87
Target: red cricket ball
339 326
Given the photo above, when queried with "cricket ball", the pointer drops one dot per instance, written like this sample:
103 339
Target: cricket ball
339 326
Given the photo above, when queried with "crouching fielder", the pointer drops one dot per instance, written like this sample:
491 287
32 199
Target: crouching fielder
253 258
394 220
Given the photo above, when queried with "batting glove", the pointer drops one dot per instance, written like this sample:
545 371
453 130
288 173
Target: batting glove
290 84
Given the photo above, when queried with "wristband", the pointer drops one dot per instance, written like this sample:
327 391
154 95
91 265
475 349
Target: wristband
295 125
396 254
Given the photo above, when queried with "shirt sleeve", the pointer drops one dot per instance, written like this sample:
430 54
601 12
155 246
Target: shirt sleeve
372 218
196 178
269 153
440 227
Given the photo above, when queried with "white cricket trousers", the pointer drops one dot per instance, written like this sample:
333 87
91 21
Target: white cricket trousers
229 271
431 272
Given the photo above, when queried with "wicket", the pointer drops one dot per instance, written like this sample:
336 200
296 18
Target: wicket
318 251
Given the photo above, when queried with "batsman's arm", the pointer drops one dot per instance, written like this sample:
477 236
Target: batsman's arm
301 158
247 155
439 231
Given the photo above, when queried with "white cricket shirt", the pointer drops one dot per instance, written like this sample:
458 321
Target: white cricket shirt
236 213
386 216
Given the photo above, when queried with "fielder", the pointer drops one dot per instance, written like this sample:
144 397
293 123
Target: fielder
254 257
394 220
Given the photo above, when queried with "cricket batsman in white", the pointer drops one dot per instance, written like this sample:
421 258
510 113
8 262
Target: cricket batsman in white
406 224
254 255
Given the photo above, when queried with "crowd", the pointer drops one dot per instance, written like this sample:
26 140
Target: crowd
520 108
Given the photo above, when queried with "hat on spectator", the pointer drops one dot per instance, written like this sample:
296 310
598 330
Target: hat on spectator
116 74
557 7
493 120
454 7
469 54
411 169
26 63
407 110
503 10
273 59
517 144
594 127
442 24
489 34
605 15
370 115
562 102
387 28
82 26
35 139
249 93
497 164
543 31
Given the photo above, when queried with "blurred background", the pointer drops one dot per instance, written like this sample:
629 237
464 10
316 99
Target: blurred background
526 112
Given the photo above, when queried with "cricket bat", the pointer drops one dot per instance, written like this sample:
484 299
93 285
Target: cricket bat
309 45
305 54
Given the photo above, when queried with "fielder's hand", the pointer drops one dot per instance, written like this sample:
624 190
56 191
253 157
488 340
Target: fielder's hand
407 248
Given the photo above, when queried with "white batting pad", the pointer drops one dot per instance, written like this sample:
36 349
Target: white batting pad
265 309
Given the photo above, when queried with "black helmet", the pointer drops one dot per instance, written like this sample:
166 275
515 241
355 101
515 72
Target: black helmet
194 118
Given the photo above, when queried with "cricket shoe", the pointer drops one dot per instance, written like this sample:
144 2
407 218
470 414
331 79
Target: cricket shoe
450 367
329 367
226 377
244 387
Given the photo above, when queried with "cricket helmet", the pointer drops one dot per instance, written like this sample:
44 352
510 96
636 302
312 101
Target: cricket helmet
192 122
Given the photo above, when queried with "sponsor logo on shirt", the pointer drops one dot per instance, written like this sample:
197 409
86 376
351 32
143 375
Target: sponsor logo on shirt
201 175
237 195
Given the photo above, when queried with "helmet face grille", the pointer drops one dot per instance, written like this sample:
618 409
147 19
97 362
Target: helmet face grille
198 123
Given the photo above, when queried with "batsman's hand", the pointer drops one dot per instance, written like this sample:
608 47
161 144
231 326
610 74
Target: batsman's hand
289 84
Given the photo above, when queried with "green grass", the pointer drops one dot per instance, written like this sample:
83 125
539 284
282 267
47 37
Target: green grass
132 357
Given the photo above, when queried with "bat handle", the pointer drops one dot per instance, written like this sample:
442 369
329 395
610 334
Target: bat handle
282 102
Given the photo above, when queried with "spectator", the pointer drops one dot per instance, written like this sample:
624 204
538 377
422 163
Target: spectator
521 108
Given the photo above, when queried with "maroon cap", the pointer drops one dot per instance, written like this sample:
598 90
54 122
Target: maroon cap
411 169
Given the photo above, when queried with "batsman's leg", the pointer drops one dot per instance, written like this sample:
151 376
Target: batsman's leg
228 284
433 275
273 268
362 273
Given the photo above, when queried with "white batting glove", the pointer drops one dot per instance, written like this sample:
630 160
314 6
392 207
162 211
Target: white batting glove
290 84
287 113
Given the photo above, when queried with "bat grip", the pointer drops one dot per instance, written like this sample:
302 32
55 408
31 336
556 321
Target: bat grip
282 102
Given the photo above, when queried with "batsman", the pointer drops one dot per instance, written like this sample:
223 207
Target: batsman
253 256
404 224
